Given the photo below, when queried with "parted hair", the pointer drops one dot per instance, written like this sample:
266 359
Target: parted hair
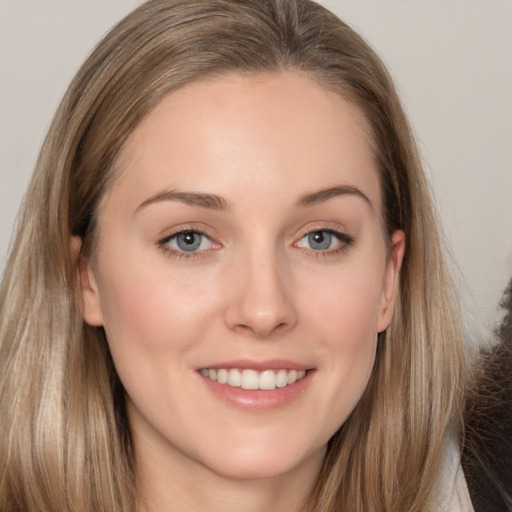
65 441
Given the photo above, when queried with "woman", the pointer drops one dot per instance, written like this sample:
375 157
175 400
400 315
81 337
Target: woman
227 286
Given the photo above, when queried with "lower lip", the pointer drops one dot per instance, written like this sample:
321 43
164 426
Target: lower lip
258 399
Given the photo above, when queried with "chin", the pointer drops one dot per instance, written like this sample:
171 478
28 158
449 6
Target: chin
264 463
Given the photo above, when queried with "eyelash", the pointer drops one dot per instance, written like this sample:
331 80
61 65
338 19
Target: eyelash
345 239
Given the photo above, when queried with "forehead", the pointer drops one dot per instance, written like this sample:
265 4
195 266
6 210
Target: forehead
261 130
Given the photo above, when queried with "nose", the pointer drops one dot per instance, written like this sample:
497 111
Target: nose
261 302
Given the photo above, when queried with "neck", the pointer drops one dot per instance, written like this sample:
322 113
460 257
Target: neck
177 483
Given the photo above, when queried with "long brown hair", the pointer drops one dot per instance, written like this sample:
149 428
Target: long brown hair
65 442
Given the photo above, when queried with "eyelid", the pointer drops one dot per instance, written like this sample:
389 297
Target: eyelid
199 227
322 226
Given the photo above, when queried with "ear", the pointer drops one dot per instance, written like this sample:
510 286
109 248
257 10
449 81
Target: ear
86 283
391 279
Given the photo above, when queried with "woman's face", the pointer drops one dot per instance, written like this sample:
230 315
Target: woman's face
240 247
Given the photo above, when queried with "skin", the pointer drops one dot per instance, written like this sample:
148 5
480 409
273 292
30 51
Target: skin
256 288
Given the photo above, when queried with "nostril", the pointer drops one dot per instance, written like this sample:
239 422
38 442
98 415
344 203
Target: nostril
260 307
260 331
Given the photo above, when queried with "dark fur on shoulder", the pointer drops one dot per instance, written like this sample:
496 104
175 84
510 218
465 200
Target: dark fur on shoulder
487 446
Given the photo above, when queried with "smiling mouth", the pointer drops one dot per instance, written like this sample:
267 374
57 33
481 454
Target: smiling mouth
266 380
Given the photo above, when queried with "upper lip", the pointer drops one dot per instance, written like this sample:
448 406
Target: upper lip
250 364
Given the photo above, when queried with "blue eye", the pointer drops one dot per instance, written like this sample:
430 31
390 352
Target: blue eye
320 240
324 240
189 241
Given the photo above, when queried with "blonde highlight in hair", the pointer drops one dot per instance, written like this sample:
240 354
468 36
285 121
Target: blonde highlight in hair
65 439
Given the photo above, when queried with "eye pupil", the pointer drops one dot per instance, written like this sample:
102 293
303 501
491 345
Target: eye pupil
189 238
320 240
318 237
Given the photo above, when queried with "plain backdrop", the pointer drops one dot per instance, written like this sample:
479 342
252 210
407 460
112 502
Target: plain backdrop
451 60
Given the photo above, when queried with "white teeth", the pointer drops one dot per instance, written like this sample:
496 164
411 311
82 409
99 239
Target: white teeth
281 379
267 380
234 378
251 379
222 376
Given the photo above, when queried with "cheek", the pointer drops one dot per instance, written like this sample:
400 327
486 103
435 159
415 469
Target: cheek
149 312
347 302
153 324
351 335
344 317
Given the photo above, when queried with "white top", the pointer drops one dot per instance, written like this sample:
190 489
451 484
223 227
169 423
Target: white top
453 495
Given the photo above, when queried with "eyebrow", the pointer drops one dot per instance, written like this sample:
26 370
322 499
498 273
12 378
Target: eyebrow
324 194
209 201
218 203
